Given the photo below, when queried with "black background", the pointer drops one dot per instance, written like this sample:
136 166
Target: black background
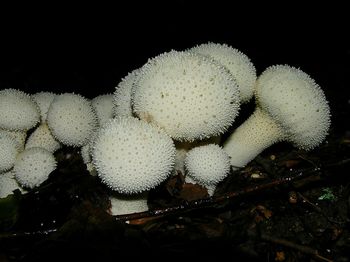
87 50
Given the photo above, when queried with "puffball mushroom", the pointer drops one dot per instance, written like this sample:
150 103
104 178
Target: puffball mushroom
104 108
43 100
290 107
42 137
207 165
8 152
71 119
122 95
18 111
33 166
8 184
236 62
18 136
188 95
132 156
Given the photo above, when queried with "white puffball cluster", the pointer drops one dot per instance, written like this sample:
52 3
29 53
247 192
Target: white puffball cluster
104 108
33 166
42 137
122 95
8 152
188 95
236 62
132 156
208 164
18 111
296 103
71 119
43 100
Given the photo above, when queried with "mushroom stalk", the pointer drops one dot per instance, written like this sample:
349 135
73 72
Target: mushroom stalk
257 133
121 204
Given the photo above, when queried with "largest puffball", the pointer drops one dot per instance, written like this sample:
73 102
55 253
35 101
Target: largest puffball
190 96
132 156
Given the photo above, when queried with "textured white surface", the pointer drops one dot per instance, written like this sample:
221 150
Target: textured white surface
104 108
43 100
71 119
236 62
131 156
207 165
18 111
42 137
122 95
8 151
188 95
297 104
8 184
33 166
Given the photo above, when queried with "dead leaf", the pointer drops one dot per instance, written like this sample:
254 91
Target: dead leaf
280 256
191 192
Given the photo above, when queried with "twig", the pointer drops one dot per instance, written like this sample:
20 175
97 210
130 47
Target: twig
210 202
301 248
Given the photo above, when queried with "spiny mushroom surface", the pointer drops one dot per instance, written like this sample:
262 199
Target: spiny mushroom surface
43 100
42 137
122 95
104 108
8 184
132 156
290 107
188 95
71 119
18 111
18 136
236 62
33 166
207 165
8 151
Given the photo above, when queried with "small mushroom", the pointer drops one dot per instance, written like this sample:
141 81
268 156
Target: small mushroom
207 165
290 107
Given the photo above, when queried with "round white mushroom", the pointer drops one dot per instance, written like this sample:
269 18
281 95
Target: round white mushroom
71 119
132 156
42 137
104 108
188 95
122 95
18 111
290 107
8 151
236 62
33 166
207 165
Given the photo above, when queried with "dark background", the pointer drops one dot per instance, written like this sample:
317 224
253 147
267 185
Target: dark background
88 51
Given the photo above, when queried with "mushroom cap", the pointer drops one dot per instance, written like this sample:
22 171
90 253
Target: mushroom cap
297 104
18 111
8 151
104 108
122 95
208 164
43 100
189 95
18 136
71 119
42 137
8 184
33 166
132 156
236 62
